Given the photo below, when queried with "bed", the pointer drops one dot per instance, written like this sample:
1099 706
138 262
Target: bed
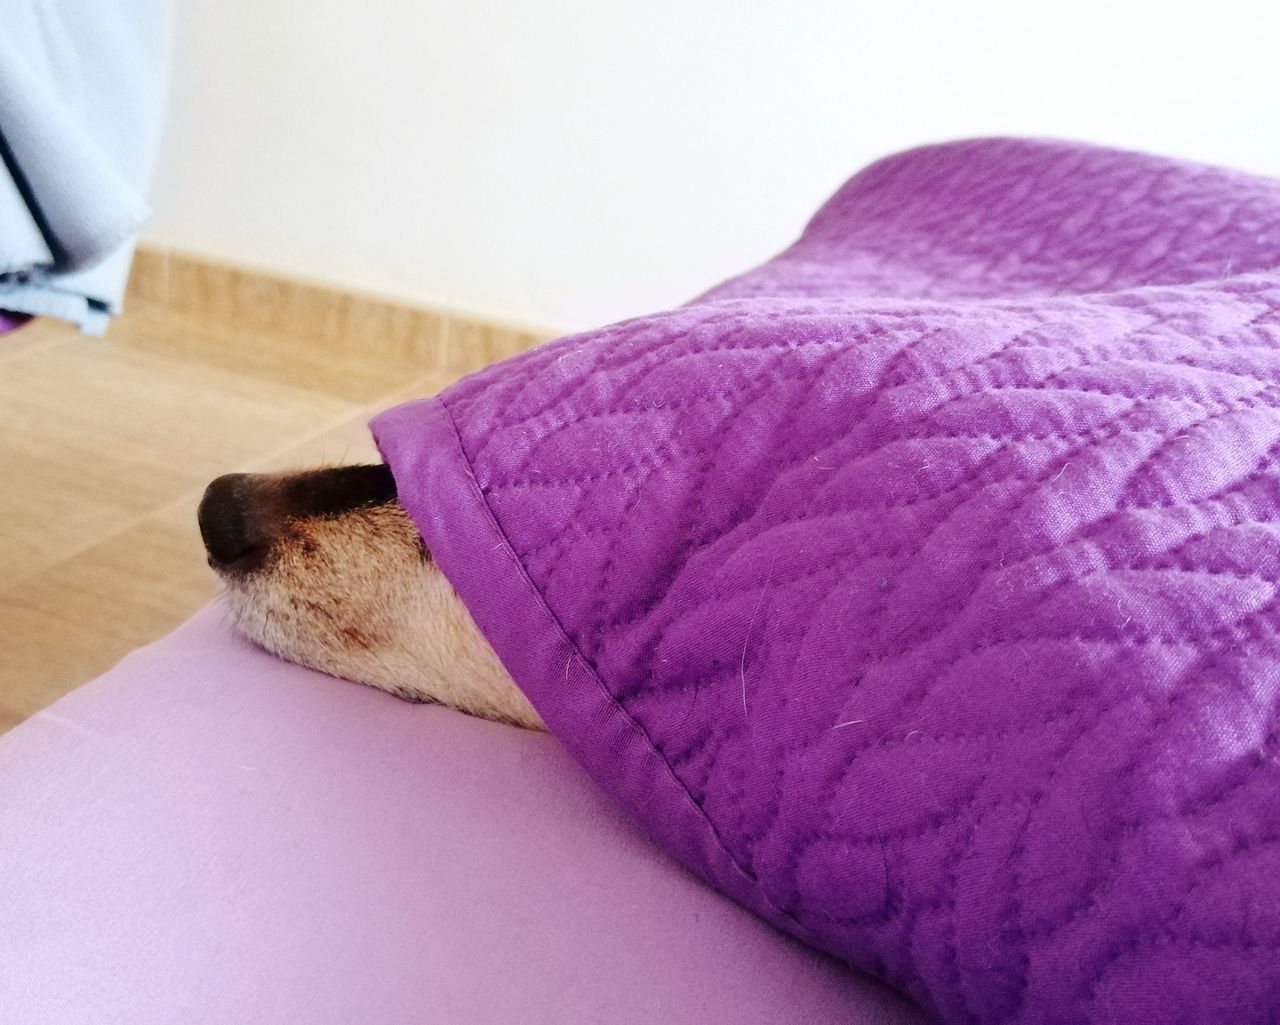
206 834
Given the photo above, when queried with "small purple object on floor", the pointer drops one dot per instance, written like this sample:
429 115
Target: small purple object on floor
919 589
11 321
207 835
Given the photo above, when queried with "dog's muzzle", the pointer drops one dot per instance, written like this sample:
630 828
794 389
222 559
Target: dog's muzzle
235 524
242 516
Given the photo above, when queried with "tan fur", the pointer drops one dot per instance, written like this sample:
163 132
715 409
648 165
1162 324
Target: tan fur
357 596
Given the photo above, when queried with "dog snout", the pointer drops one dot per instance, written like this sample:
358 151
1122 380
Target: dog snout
235 522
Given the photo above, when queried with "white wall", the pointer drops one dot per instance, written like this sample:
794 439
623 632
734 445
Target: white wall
577 161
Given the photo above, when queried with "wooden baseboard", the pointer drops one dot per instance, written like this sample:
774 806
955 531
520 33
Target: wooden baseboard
338 321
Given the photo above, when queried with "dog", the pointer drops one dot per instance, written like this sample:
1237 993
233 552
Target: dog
325 568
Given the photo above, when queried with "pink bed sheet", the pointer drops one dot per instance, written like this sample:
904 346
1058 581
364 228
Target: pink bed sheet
209 835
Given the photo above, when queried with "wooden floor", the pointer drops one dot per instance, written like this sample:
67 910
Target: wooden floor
106 445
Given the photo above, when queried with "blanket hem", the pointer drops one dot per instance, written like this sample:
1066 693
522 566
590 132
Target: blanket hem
498 596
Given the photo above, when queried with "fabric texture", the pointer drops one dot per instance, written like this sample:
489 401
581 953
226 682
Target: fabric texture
918 589
207 835
83 85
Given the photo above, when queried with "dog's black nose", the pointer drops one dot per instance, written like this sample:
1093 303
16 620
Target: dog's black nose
236 534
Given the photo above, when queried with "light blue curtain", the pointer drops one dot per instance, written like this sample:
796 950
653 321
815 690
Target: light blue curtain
82 97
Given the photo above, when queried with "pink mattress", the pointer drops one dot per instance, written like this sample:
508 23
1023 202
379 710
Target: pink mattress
207 834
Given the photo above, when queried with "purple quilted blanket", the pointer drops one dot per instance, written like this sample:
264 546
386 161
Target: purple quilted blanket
918 589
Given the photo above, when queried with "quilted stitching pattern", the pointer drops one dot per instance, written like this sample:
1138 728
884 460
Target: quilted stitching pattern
937 560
